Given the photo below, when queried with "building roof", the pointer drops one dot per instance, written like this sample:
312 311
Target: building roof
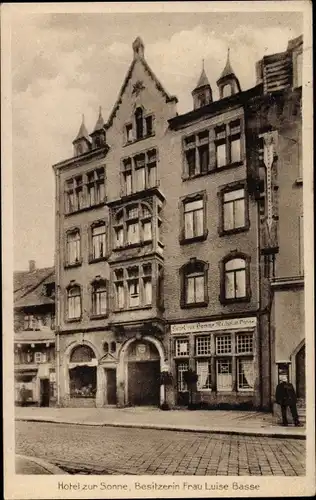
28 287
100 122
83 133
166 95
203 80
228 70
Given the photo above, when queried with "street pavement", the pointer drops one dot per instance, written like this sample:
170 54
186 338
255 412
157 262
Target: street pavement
90 449
31 465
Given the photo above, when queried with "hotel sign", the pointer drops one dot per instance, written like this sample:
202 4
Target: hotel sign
210 326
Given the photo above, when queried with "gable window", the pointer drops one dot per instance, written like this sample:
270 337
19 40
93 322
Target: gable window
139 172
234 209
98 235
194 284
227 144
133 286
129 132
73 247
139 123
74 302
99 298
95 187
193 210
149 125
235 281
133 225
197 153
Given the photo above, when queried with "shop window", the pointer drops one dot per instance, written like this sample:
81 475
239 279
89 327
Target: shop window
193 277
181 347
73 247
223 344
74 302
224 375
203 370
98 240
83 381
181 368
245 374
235 278
99 297
203 345
244 343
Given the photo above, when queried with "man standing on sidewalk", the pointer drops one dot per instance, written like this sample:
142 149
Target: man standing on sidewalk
285 396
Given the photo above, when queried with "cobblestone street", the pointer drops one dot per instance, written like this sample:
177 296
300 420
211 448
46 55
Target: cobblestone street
116 450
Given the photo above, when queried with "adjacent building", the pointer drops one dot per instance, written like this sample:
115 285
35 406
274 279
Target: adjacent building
34 336
170 248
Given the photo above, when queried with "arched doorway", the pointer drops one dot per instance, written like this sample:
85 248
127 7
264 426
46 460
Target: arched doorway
143 373
300 372
83 375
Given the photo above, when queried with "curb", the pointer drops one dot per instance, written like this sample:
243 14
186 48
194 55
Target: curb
53 469
177 428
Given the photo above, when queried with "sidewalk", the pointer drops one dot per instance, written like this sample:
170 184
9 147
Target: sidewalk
250 423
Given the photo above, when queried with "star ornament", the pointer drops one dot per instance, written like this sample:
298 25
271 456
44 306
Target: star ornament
138 87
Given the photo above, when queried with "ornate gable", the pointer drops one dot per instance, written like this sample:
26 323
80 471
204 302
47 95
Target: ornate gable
108 358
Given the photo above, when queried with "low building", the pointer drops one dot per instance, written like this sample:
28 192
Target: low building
34 336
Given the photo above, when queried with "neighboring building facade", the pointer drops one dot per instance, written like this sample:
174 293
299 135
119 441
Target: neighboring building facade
275 134
159 249
34 336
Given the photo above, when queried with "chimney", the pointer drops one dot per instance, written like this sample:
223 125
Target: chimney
32 266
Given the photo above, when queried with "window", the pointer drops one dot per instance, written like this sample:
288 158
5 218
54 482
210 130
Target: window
193 219
74 302
139 172
244 343
194 284
235 279
106 347
113 347
99 298
224 375
133 286
38 357
197 153
95 187
73 247
182 347
227 90
245 374
181 368
227 144
129 132
139 123
203 370
203 345
133 225
30 322
149 125
234 210
98 234
223 344
74 194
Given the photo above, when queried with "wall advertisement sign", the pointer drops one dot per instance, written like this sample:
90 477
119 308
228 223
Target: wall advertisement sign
210 326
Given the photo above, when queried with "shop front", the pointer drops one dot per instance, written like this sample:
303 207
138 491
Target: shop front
224 355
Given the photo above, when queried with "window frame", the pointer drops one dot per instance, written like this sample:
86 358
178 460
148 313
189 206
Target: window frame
130 167
145 215
131 126
177 341
227 128
77 263
201 195
72 285
96 224
229 188
184 272
232 256
195 146
126 279
96 284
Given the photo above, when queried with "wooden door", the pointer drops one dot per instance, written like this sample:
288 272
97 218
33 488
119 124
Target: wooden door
144 383
111 386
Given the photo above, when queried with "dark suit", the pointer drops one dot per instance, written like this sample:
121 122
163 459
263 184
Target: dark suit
285 396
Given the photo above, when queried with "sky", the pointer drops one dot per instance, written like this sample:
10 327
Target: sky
66 65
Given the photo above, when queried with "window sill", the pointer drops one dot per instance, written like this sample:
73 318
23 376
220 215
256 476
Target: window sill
99 259
132 245
196 304
186 177
182 356
135 308
186 241
74 264
99 316
73 320
85 209
227 232
225 301
128 143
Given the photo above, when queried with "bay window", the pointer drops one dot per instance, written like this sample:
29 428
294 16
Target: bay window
133 286
132 225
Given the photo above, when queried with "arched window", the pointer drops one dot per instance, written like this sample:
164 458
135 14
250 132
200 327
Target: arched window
235 278
194 284
99 297
227 90
133 225
82 353
139 123
74 302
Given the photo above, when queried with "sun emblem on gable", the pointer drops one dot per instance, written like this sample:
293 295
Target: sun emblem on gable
138 87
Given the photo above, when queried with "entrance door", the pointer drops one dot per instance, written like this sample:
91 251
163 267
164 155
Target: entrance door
300 373
111 386
44 398
144 383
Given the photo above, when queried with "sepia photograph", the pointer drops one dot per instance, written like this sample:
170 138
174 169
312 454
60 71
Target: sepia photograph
159 172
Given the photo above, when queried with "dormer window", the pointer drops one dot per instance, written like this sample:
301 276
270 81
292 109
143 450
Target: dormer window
227 90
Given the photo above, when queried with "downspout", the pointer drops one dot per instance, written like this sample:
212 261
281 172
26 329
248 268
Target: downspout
57 277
